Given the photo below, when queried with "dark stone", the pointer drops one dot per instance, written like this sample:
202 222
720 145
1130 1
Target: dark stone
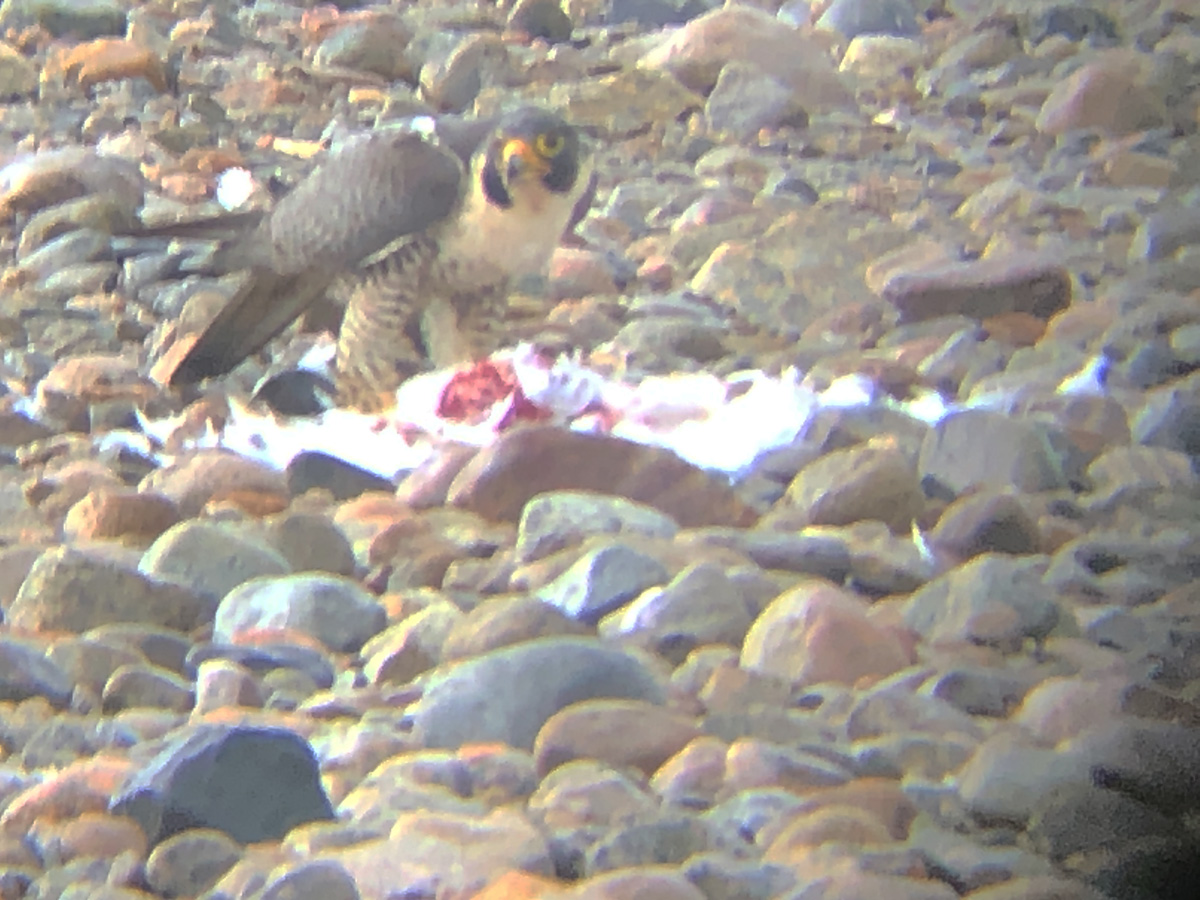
254 784
296 392
342 479
1082 818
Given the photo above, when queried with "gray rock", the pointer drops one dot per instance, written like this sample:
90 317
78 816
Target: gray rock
976 448
993 599
254 784
213 559
26 672
18 75
310 543
1083 818
721 876
703 604
336 611
59 742
748 812
1005 780
601 581
376 46
666 841
83 245
745 100
67 590
971 865
1165 231
854 17
556 520
507 695
980 691
1170 419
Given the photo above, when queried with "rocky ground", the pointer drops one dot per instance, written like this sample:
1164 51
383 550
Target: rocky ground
898 660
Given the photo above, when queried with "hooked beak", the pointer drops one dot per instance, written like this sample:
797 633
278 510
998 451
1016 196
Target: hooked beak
519 158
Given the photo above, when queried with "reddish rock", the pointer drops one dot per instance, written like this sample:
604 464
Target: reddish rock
982 289
111 513
502 478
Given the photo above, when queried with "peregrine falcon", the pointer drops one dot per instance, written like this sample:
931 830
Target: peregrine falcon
396 219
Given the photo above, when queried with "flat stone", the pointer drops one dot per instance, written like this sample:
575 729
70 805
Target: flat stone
619 733
523 463
110 513
507 695
990 286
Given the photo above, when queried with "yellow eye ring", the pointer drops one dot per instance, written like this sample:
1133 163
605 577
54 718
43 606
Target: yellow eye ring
549 145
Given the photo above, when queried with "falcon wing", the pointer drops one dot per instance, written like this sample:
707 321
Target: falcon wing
371 191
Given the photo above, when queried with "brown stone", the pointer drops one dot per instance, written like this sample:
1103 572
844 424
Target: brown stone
1109 94
502 478
196 478
111 513
620 733
984 288
107 59
818 632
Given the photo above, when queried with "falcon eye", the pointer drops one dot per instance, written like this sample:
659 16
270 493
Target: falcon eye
549 145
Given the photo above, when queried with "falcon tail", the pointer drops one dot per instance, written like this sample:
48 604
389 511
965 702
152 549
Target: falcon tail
262 308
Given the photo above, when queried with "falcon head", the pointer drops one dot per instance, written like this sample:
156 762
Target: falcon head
531 152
